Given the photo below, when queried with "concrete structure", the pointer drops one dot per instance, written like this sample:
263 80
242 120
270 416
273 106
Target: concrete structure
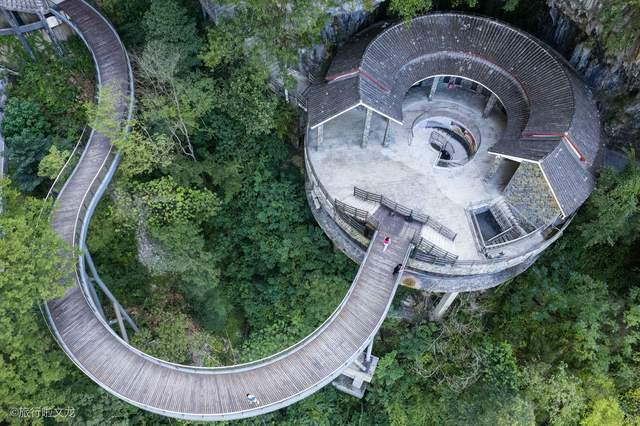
476 129
340 350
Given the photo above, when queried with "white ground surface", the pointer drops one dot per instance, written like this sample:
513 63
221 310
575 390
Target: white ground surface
404 170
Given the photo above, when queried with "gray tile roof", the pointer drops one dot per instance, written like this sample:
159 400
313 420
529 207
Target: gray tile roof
348 56
529 148
540 92
326 101
570 181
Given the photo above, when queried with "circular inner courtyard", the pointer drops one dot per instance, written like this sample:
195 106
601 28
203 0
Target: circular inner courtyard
402 163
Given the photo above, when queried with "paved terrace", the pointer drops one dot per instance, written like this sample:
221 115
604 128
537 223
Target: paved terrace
403 171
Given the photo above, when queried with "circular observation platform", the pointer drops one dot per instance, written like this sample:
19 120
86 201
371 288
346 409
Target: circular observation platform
476 130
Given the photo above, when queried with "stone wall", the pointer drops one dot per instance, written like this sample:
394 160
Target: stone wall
529 193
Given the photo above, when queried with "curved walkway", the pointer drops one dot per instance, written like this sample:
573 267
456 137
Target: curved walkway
192 392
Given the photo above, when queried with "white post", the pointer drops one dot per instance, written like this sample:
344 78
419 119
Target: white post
367 126
489 106
434 87
96 300
320 136
369 350
360 365
385 140
443 306
54 39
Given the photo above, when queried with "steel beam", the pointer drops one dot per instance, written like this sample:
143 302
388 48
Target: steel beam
13 22
52 36
123 330
107 292
385 139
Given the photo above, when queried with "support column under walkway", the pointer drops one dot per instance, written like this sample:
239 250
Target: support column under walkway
442 307
355 379
320 136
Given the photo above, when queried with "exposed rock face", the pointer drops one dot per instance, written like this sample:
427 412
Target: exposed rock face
601 38
347 19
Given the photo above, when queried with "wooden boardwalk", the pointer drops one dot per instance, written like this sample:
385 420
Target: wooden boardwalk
192 392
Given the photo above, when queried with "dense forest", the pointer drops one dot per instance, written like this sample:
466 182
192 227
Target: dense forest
206 238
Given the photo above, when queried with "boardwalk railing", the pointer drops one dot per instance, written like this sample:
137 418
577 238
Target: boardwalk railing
426 251
67 168
403 210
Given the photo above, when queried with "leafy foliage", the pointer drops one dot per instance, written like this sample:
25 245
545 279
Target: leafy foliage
172 30
35 264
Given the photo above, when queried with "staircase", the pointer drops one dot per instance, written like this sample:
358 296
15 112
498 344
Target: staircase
509 222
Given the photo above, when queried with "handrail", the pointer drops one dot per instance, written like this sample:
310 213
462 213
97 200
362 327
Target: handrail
66 164
427 251
495 237
404 211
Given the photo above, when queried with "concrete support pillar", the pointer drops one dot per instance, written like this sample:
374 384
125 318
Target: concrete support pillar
367 127
385 139
13 22
360 365
355 378
434 87
369 351
320 136
489 106
54 39
443 306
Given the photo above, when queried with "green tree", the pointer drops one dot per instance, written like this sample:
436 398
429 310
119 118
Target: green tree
271 33
169 30
24 128
408 9
557 395
52 163
612 211
604 412
34 263
21 114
